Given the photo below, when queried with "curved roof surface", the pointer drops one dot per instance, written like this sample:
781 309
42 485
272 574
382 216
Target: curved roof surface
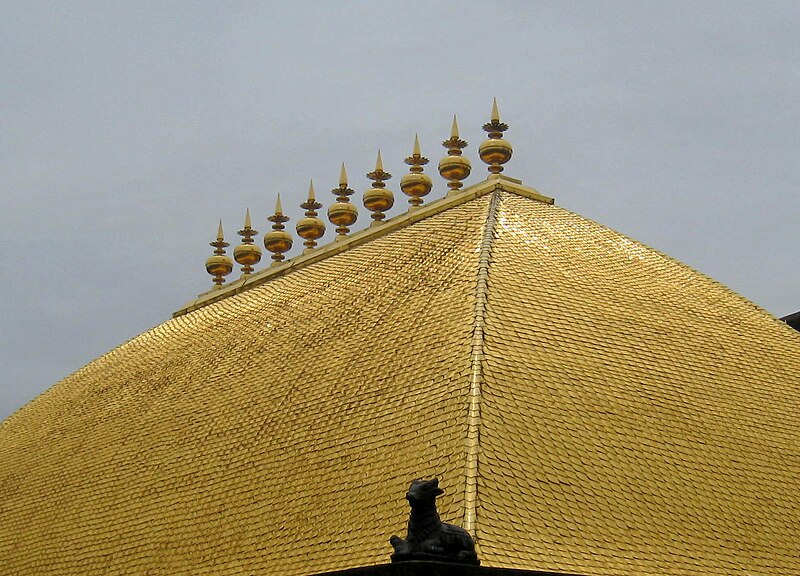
589 405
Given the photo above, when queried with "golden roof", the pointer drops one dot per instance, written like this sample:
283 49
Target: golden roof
589 405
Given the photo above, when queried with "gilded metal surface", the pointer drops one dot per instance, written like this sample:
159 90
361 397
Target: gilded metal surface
247 253
342 213
278 240
378 199
273 432
310 228
454 167
632 416
495 151
476 371
219 265
637 417
492 182
416 184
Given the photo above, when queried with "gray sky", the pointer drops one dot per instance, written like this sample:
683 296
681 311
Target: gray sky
129 128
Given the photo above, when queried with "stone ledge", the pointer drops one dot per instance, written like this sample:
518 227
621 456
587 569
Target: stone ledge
421 568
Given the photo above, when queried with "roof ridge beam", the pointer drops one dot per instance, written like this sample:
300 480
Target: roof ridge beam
476 371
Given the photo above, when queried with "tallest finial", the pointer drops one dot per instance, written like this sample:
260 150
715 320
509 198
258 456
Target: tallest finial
495 151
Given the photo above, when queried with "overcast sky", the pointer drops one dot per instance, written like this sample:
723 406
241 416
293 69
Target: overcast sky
128 128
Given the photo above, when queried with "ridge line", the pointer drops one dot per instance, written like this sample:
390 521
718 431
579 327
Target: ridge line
476 372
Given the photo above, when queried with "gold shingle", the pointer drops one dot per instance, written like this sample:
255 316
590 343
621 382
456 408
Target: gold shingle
644 428
589 404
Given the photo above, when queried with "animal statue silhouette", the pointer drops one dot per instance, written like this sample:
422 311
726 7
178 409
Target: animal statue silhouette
428 537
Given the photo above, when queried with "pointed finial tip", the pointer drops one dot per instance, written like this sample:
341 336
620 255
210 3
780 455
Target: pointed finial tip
311 191
379 161
247 222
343 176
416 151
454 129
278 207
219 231
495 112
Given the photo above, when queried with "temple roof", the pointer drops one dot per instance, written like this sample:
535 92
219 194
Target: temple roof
590 406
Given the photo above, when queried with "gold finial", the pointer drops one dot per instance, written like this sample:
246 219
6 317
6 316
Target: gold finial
416 184
219 264
378 199
247 253
310 228
342 213
454 167
495 151
278 240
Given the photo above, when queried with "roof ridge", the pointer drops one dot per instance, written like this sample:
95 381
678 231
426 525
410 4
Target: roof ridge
452 199
472 445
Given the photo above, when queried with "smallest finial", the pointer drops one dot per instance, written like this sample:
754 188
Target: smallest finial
342 213
310 228
247 253
416 184
495 151
454 167
378 199
219 265
278 240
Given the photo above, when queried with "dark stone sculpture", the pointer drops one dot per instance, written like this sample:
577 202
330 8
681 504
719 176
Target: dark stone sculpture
428 537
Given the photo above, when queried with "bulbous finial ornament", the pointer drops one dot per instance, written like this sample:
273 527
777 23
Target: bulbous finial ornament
416 184
495 151
454 167
219 265
247 253
310 228
278 240
342 213
378 199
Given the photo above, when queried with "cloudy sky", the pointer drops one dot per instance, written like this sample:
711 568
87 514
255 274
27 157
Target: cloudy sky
129 128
